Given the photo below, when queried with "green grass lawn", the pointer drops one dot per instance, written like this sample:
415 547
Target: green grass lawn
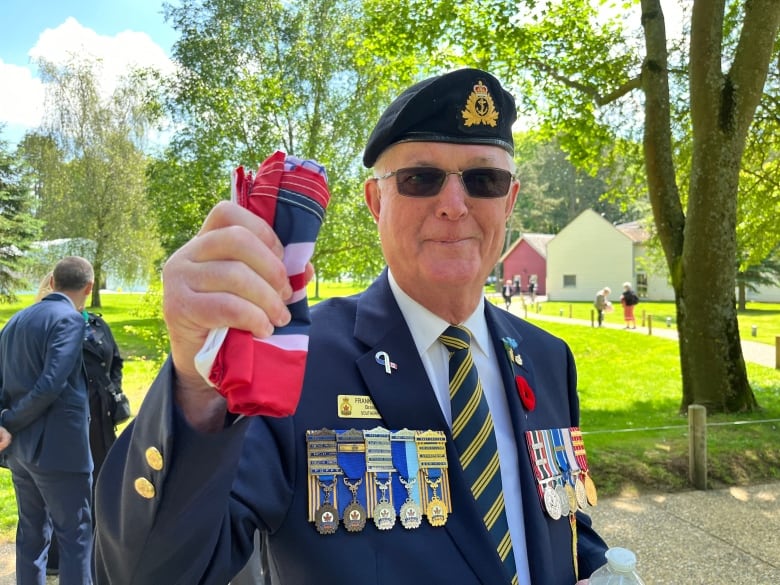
630 394
765 317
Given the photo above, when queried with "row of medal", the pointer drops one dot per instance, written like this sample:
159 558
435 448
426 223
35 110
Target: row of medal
377 474
560 465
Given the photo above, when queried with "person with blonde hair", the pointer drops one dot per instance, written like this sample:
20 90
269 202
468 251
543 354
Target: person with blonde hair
45 286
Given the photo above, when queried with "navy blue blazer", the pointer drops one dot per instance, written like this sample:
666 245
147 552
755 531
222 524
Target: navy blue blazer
189 516
43 386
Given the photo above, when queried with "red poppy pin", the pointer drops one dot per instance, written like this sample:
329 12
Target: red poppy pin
527 396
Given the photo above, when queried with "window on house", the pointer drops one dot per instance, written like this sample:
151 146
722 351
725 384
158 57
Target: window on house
641 284
569 281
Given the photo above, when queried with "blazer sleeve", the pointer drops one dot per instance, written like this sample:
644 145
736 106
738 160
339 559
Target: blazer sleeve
63 355
164 511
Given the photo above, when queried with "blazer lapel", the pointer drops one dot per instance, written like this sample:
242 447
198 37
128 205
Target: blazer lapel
534 519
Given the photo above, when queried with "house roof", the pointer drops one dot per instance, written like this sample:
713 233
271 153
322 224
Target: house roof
537 241
634 230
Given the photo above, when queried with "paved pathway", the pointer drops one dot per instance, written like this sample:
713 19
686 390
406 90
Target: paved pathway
759 353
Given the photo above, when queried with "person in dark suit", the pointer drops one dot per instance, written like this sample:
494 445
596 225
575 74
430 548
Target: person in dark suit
46 414
363 482
103 366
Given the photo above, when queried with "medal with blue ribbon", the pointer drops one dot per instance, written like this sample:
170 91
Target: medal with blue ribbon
404 452
563 464
379 464
560 491
351 456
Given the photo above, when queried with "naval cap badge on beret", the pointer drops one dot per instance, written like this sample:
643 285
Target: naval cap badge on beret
467 106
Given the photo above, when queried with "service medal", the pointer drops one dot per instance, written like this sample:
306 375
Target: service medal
571 494
590 491
564 498
411 515
552 503
327 521
384 515
354 517
436 512
579 490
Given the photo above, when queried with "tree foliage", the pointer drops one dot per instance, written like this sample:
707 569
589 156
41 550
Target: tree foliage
258 76
18 228
90 166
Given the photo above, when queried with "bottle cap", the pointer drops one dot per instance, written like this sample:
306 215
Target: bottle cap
621 559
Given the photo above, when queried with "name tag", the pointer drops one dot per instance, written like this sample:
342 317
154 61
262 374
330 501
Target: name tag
356 406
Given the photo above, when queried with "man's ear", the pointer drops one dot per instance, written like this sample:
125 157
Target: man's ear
88 288
372 197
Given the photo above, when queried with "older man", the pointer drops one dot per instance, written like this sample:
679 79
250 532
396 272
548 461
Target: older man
415 452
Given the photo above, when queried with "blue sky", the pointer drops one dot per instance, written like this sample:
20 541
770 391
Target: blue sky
118 31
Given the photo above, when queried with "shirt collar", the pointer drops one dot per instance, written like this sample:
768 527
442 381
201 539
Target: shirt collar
64 296
427 327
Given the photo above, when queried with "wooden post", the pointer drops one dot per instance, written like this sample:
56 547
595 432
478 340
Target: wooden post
525 310
570 310
777 352
697 445
649 324
644 317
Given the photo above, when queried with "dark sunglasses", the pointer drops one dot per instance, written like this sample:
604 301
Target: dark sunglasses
482 182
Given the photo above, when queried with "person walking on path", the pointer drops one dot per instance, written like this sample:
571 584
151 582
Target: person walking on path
507 291
44 427
629 300
602 303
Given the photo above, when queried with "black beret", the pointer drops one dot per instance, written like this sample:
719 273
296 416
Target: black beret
467 106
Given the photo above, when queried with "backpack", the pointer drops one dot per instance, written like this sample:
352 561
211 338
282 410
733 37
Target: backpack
632 298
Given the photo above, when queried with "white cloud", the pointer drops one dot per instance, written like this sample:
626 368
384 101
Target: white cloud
22 97
21 101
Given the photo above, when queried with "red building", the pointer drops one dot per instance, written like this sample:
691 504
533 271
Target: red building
526 260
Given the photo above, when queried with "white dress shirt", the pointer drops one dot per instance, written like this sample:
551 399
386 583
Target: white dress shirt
426 329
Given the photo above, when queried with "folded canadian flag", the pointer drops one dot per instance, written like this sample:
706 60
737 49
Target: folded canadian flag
264 376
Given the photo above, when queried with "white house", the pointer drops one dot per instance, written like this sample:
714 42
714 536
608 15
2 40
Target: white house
591 253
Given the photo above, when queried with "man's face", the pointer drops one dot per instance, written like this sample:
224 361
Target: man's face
447 243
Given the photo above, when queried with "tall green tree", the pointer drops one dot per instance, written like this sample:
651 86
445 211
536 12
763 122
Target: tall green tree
584 70
92 167
262 75
18 228
553 191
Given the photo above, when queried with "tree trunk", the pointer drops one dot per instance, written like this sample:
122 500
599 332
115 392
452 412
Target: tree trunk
741 296
710 348
98 269
700 249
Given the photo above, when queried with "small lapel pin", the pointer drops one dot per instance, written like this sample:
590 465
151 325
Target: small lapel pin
383 359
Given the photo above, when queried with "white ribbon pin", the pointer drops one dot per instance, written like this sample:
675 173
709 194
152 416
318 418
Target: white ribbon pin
383 359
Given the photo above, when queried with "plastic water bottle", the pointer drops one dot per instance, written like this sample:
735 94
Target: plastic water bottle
619 570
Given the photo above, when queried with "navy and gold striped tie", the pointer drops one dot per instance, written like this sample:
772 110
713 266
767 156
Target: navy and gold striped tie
475 440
